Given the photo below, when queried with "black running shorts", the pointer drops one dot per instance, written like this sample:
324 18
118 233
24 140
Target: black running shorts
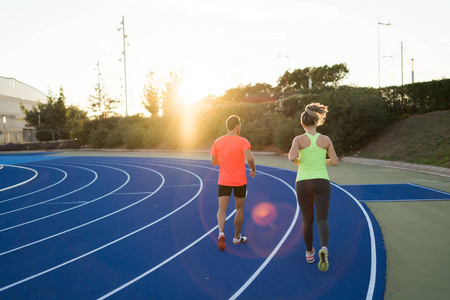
239 191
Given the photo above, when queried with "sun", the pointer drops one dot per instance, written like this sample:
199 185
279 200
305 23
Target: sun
200 80
189 92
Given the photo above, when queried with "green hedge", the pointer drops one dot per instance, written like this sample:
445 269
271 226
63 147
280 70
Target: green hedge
356 115
416 98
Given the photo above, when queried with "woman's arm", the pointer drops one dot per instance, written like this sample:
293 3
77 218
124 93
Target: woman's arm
293 153
333 159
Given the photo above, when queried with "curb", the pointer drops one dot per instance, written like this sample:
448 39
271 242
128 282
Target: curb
263 153
440 171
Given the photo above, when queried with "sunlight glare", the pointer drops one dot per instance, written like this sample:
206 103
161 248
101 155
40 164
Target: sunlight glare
188 133
264 214
189 93
201 79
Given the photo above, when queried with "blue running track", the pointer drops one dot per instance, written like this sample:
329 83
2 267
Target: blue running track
146 228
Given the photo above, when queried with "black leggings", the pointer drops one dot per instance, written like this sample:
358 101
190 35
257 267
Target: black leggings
309 193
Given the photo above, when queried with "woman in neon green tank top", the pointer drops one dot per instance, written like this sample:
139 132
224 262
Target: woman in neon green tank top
309 151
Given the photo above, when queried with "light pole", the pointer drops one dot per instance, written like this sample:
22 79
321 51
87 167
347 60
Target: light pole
39 122
402 59
4 129
124 36
378 29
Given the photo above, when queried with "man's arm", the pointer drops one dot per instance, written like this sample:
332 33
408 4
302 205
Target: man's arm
214 160
250 161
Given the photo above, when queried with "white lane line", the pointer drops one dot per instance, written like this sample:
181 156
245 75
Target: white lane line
23 182
401 200
49 200
250 280
69 203
69 209
73 228
162 263
373 250
37 191
373 267
134 193
269 258
430 189
113 242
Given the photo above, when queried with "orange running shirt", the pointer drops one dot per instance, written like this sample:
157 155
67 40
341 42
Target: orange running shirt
230 152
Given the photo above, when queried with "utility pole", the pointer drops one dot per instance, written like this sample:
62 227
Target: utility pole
124 62
402 59
99 101
412 70
4 129
99 88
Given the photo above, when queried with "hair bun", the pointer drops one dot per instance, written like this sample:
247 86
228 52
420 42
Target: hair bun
316 113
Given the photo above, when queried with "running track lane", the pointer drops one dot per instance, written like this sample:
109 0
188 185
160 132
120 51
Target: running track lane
199 269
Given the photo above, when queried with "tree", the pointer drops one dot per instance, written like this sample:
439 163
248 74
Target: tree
152 94
326 75
259 92
170 94
160 94
49 118
297 80
101 104
75 119
320 76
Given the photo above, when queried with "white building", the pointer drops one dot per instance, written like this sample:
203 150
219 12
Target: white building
12 93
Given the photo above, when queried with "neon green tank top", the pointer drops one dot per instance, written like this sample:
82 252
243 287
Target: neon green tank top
312 161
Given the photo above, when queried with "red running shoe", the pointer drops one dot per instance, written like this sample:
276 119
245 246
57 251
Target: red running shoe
222 245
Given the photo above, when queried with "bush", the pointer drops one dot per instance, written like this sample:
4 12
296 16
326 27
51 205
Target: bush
153 132
260 131
285 130
134 137
115 137
97 137
416 98
355 116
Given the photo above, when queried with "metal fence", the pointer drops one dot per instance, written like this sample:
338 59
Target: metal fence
29 135
23 136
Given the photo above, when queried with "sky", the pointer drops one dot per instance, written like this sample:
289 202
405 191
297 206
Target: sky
217 44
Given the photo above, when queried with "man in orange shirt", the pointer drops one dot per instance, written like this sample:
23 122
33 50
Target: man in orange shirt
229 152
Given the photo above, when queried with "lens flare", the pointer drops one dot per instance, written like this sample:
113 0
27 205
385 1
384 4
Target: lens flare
264 214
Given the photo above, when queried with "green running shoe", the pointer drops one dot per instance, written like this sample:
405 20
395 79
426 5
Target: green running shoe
323 263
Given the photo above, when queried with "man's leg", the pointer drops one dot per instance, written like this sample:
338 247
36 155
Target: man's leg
222 212
239 218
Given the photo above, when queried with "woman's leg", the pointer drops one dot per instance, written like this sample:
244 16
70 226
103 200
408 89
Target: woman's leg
322 203
305 198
